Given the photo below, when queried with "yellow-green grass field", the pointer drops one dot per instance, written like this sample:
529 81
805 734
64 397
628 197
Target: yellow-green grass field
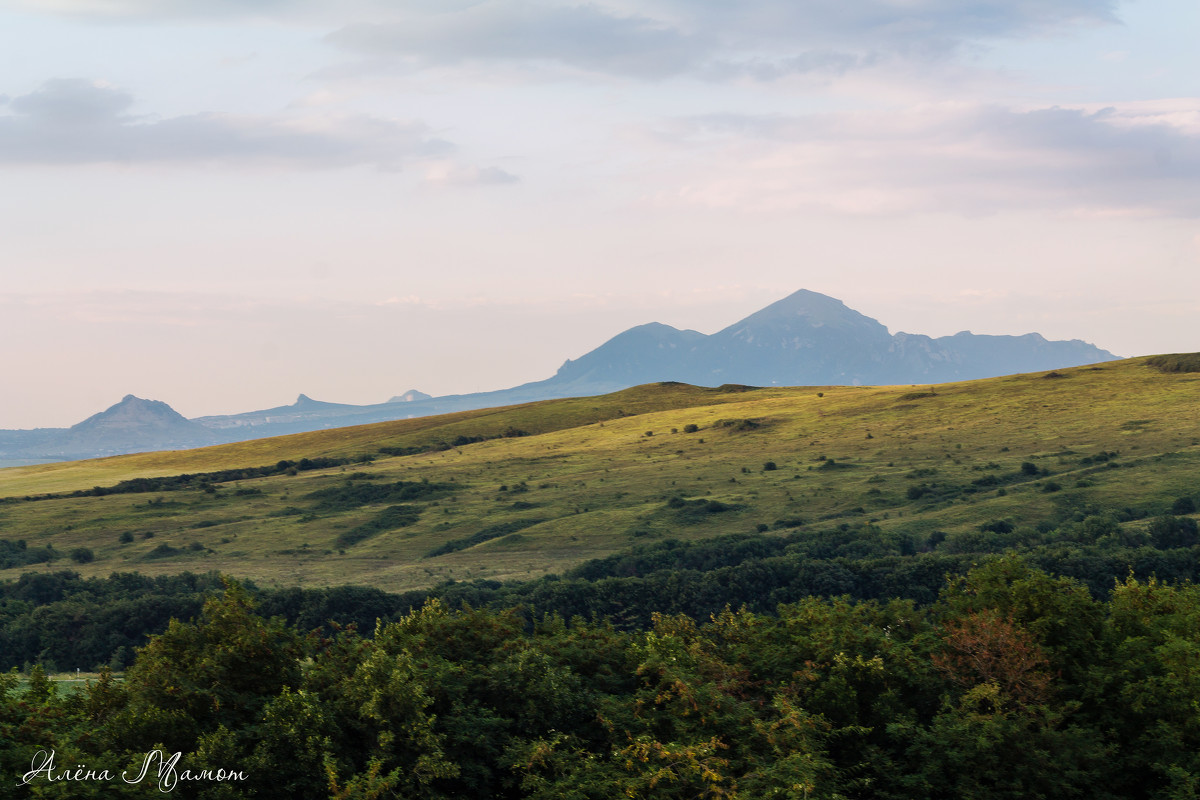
597 475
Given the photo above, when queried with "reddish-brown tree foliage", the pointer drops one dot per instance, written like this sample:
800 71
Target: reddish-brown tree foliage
984 647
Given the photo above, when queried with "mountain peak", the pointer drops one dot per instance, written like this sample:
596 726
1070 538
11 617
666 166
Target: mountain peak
801 314
411 396
652 348
818 309
809 338
133 408
132 412
808 299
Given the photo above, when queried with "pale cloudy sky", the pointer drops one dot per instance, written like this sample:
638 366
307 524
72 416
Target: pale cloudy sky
223 203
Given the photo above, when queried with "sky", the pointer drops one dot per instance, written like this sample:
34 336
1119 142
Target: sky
224 203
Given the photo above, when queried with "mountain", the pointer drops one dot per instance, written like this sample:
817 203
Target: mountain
968 356
803 339
651 349
306 413
412 395
132 425
809 338
806 338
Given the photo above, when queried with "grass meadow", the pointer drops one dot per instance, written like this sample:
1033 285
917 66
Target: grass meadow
555 483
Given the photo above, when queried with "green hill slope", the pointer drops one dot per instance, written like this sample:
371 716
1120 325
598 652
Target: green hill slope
521 491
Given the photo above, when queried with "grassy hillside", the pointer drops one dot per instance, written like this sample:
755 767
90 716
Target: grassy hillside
421 432
558 482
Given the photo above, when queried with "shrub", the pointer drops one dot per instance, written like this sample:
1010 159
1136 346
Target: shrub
18 554
917 492
390 518
738 424
690 428
164 550
768 466
1175 362
484 535
82 555
1169 532
1184 505
693 511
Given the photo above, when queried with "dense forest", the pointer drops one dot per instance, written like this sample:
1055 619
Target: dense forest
749 666
61 621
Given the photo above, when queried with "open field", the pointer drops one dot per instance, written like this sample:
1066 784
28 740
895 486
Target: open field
560 482
65 683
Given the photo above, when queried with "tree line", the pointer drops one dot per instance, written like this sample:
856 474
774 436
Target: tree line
64 621
1012 683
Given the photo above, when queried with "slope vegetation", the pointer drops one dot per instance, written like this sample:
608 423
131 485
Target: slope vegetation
527 490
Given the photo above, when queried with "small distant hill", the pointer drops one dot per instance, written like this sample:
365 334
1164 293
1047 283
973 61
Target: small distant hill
411 396
132 425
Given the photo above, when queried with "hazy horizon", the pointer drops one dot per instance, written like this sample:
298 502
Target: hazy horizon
222 205
566 324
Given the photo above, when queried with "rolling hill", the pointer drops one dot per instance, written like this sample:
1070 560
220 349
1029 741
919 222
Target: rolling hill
522 491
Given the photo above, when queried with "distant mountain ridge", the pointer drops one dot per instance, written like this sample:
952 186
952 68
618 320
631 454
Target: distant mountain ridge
806 338
811 339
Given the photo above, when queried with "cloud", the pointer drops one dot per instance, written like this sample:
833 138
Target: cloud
452 174
74 121
889 20
585 36
116 9
291 12
712 39
1129 161
73 102
646 39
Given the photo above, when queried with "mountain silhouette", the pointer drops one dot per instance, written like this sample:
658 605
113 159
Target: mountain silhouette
809 338
132 425
806 338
